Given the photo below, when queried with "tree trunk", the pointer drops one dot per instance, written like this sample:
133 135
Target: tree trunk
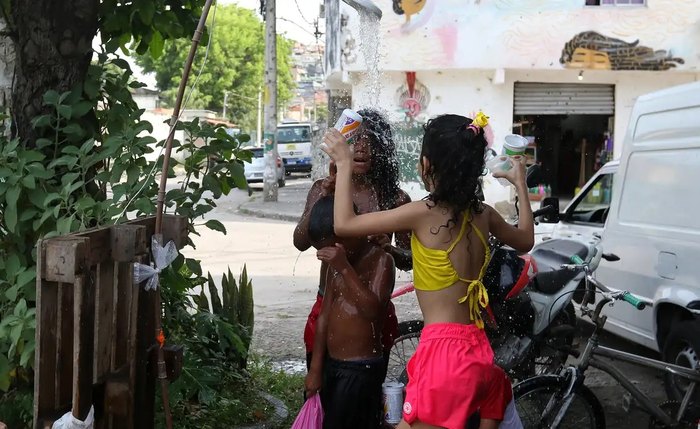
53 51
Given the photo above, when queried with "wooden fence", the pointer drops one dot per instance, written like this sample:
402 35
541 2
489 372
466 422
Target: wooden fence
95 328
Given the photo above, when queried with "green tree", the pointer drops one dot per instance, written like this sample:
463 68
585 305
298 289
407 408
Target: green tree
235 64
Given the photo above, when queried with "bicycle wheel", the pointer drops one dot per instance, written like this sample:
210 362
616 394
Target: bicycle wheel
533 395
404 347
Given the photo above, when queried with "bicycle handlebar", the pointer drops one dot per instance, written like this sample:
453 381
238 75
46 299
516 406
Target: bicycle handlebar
579 264
636 302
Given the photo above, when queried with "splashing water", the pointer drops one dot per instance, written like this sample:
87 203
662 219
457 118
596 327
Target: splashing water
369 46
294 270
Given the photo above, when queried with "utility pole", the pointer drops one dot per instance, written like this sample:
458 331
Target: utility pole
258 128
225 103
270 176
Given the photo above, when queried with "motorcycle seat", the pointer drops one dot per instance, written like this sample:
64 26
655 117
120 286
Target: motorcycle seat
550 256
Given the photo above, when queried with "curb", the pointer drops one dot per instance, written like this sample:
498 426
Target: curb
268 214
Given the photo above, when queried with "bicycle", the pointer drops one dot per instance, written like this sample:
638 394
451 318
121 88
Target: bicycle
563 400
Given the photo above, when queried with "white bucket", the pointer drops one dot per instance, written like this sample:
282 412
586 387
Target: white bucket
393 402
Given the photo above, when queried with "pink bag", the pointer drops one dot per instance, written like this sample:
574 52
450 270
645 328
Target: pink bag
311 414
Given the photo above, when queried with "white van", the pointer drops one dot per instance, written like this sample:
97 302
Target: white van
294 146
646 210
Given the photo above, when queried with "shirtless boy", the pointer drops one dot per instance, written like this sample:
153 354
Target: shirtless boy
347 366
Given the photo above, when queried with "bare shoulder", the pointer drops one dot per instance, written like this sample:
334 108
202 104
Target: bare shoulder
402 198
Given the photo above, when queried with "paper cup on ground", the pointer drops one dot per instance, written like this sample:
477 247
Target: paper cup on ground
348 124
393 402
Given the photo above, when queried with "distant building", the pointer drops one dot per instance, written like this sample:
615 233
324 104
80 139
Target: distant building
310 94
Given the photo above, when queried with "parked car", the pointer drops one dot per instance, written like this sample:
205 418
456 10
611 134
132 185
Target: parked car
255 169
645 210
294 146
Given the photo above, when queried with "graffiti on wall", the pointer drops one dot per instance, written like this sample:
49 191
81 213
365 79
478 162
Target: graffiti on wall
408 138
592 50
458 34
412 97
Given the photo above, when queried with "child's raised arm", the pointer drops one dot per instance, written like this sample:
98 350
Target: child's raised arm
347 224
521 238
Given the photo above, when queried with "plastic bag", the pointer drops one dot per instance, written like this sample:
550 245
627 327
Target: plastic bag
163 256
70 422
311 414
511 419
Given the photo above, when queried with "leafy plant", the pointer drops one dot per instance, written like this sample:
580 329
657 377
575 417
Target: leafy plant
235 306
90 174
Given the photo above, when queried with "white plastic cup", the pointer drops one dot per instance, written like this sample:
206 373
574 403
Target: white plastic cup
348 124
393 402
500 163
515 145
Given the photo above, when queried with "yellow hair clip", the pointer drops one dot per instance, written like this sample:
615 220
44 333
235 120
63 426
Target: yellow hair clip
480 120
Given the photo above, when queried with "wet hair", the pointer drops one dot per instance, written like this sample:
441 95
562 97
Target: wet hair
384 173
456 155
321 227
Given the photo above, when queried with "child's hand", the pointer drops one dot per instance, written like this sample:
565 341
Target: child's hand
312 383
516 175
337 147
334 256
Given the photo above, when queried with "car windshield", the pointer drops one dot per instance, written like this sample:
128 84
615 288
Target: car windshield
293 134
256 151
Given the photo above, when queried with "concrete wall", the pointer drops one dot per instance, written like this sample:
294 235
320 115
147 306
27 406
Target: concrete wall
467 91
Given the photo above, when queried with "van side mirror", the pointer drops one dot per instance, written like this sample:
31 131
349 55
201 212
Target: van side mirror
552 215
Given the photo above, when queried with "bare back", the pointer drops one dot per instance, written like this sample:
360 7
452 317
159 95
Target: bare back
436 229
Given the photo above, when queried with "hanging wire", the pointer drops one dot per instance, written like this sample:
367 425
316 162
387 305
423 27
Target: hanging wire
184 106
301 14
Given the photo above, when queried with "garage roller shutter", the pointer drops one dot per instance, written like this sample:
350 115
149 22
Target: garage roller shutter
563 99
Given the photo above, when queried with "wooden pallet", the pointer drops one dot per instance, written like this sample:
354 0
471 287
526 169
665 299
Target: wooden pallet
95 327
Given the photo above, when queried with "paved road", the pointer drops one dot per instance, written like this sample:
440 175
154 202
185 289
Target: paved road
284 284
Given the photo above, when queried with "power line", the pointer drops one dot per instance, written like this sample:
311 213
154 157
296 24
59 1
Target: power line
301 14
297 24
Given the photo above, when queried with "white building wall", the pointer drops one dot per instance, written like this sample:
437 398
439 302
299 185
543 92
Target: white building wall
467 91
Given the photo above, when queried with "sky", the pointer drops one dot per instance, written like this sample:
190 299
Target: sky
298 29
291 21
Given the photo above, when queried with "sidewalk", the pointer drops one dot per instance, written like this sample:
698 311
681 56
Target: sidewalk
288 207
292 198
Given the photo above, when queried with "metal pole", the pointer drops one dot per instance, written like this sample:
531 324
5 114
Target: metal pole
259 127
270 176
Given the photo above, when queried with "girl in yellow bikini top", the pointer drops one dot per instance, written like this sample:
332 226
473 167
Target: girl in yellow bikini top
433 271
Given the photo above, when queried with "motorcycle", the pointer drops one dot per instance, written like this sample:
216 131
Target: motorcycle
530 319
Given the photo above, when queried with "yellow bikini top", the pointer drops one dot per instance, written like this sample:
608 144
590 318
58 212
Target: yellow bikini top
433 270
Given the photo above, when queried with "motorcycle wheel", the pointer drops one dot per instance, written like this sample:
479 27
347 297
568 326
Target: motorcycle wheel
404 347
532 397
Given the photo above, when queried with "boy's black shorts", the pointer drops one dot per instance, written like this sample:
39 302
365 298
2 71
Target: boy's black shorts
351 394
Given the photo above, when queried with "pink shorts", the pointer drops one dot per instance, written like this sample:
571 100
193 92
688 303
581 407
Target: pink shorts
452 375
